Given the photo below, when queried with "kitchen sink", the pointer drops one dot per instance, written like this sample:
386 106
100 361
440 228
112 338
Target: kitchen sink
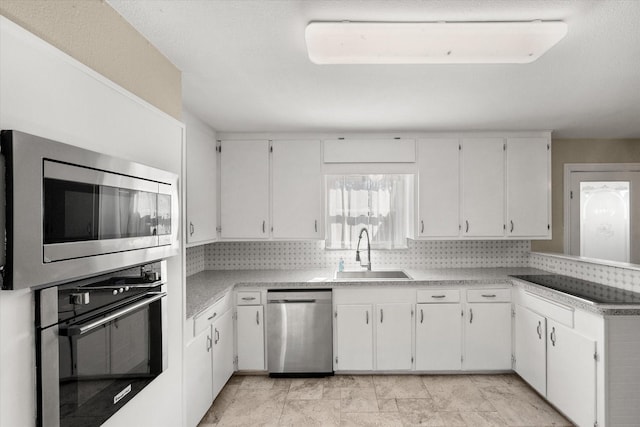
372 275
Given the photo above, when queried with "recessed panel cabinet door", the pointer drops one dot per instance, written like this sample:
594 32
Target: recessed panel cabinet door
438 337
531 348
393 336
571 373
354 338
439 188
222 351
483 187
528 184
202 168
250 337
487 336
244 189
297 190
198 385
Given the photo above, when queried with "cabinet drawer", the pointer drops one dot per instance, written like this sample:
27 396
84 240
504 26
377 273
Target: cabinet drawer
248 298
211 314
488 295
549 309
438 296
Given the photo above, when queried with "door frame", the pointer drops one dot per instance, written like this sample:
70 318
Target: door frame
586 167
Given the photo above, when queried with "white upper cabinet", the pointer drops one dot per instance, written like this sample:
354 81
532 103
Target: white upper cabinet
528 187
438 188
244 189
483 187
296 189
201 168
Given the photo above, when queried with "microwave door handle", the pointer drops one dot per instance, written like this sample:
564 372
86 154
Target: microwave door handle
81 329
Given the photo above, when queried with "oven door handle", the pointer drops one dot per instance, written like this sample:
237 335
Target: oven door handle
83 328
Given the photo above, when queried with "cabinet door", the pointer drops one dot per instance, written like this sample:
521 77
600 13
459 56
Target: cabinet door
438 188
297 190
222 351
571 373
202 175
438 337
250 338
354 330
483 187
487 336
197 382
528 187
531 348
244 189
393 336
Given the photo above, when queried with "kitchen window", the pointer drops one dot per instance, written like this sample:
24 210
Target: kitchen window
376 202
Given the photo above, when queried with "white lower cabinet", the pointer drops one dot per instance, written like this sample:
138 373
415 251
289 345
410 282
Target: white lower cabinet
487 331
198 377
571 373
393 337
438 337
531 348
222 351
250 337
354 337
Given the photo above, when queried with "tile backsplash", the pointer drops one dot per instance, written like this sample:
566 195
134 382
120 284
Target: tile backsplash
195 259
420 254
618 277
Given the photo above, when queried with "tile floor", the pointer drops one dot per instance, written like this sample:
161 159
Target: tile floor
389 400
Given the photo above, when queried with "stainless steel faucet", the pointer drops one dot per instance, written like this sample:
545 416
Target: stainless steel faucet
368 265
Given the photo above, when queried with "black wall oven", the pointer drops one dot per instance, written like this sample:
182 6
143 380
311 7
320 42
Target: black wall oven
99 342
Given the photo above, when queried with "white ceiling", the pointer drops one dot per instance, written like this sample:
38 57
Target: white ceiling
245 68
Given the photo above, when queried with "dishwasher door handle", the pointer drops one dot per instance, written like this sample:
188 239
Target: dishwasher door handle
292 301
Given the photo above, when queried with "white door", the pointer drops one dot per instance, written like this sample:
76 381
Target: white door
604 215
528 187
198 377
438 188
250 338
244 189
531 348
393 336
571 373
354 338
487 336
222 351
438 337
202 176
297 190
483 187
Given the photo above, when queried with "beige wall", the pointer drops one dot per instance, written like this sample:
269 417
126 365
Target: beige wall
579 151
92 32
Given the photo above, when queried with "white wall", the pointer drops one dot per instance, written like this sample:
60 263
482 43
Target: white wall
47 93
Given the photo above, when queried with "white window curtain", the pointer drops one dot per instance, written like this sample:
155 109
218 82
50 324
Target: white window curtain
375 202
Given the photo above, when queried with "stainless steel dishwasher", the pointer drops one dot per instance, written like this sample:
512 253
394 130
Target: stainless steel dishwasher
299 332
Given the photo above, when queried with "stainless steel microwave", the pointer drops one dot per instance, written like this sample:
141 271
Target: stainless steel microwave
72 213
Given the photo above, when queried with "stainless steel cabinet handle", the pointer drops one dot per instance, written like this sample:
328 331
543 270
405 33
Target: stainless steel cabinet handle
381 315
438 296
539 329
212 316
367 318
470 315
248 298
467 229
553 336
511 226
257 317
488 295
315 225
422 226
217 336
192 228
421 315
208 343
264 223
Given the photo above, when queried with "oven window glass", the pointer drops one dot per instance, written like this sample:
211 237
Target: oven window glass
103 369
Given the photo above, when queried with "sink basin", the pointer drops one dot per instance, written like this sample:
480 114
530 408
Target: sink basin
372 275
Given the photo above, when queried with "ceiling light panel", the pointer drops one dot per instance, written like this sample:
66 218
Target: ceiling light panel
431 43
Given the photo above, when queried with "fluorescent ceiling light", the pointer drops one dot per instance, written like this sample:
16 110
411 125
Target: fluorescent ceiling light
432 42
